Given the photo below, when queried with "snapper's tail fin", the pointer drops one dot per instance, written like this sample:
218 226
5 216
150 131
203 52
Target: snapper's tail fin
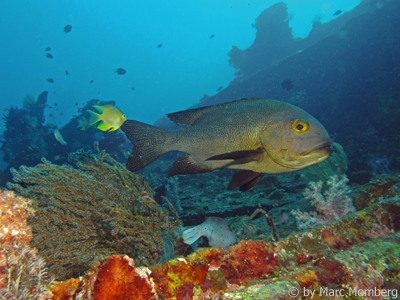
191 235
149 143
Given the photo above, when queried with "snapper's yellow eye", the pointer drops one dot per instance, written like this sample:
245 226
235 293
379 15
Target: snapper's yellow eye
300 126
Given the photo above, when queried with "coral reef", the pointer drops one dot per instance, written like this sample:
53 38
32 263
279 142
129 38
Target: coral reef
27 138
356 255
97 210
334 204
23 274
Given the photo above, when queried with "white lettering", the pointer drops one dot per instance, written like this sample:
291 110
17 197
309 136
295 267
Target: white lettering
307 293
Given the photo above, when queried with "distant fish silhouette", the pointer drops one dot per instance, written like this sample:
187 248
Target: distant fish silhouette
120 71
338 12
48 55
132 88
66 72
211 36
218 89
91 81
67 28
47 49
159 46
50 80
287 84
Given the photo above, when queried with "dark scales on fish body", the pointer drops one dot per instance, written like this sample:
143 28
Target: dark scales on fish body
248 135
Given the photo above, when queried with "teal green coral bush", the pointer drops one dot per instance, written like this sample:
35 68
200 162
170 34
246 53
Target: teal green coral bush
96 210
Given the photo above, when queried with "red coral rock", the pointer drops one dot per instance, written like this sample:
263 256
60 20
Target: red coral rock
331 271
65 290
303 258
333 241
118 279
249 260
306 278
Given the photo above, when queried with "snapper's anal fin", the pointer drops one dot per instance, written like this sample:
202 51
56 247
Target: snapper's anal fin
245 180
187 165
149 143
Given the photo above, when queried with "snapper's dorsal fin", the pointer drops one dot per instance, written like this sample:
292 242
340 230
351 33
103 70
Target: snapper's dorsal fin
189 117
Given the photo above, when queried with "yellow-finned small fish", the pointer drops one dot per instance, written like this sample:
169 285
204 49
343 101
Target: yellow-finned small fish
59 137
112 118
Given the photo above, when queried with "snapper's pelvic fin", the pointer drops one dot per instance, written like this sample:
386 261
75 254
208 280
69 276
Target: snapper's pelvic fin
245 180
149 143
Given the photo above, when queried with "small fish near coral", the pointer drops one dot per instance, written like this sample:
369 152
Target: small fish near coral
59 137
84 122
256 136
112 118
215 229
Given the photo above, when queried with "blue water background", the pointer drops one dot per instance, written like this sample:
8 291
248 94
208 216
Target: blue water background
110 34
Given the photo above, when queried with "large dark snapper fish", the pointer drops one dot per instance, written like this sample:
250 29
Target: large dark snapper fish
256 136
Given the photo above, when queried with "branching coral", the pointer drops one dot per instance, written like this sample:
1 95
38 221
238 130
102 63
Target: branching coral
251 229
331 206
91 212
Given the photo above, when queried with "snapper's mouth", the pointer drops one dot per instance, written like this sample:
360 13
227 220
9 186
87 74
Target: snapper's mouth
325 148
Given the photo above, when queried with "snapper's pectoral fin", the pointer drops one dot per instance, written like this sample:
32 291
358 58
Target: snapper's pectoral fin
240 157
245 180
187 165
